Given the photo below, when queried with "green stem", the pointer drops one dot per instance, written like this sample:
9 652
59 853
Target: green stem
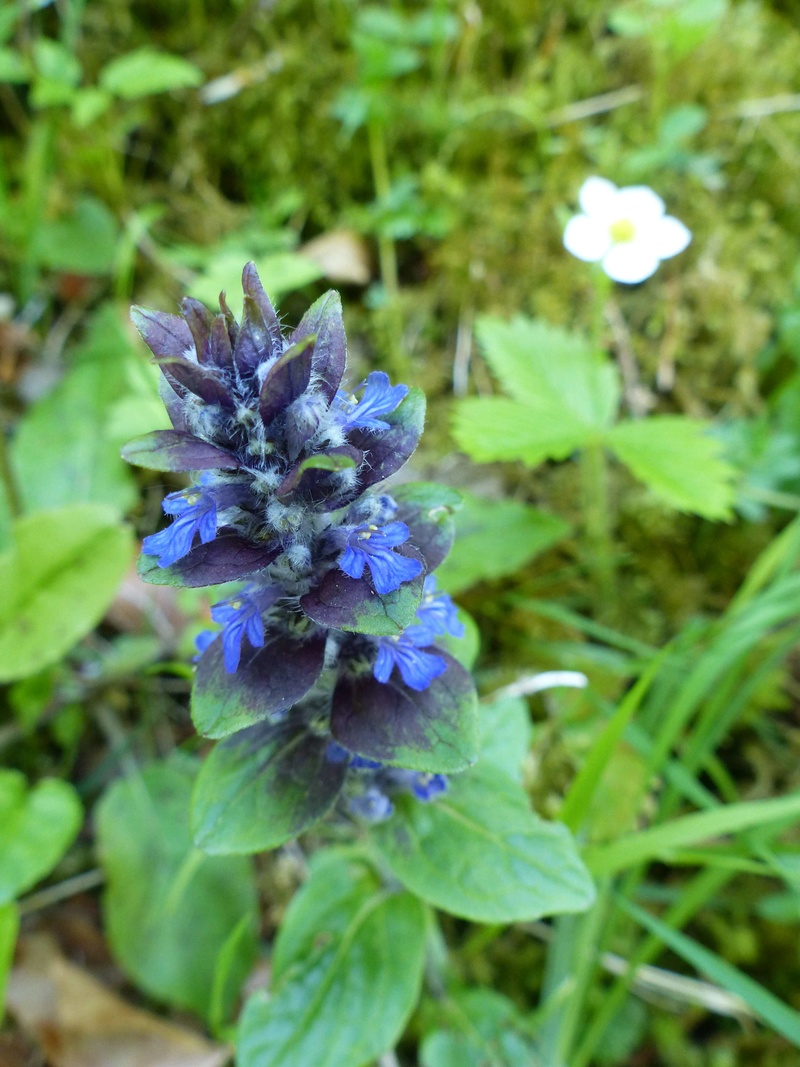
383 187
598 527
13 498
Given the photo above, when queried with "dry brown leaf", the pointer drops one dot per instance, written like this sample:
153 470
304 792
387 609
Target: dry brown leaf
80 1023
342 255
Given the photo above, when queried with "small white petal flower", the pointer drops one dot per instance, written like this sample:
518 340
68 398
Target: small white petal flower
625 230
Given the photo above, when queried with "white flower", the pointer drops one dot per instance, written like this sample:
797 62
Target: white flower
624 229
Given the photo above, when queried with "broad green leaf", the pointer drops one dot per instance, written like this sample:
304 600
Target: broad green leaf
480 852
9 925
67 446
263 787
58 579
773 1012
13 66
37 826
546 368
506 734
170 910
659 842
82 242
494 429
679 461
483 1029
346 975
146 72
495 538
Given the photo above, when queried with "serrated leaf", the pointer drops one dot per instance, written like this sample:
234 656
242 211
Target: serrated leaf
263 787
37 826
58 579
547 367
479 852
170 909
495 538
147 71
344 987
679 461
495 428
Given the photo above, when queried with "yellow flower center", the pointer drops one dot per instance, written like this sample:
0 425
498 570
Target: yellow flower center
622 231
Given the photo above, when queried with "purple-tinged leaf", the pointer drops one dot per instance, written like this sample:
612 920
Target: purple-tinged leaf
203 383
225 559
352 604
167 336
386 451
262 787
267 681
230 321
427 510
324 320
220 352
286 380
198 319
170 450
259 338
171 398
435 730
317 480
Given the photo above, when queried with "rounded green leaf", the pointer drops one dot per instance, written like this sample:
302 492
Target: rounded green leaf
58 579
480 852
170 910
262 787
37 826
147 71
345 984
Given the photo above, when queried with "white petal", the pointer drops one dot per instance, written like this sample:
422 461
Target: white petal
631 262
596 196
639 204
670 237
587 238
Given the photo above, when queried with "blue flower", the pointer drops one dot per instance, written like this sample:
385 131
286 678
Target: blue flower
196 511
372 545
417 668
202 641
436 615
380 397
240 617
428 787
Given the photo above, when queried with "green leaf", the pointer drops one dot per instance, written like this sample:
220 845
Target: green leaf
9 926
773 1012
495 429
484 1029
13 67
170 910
679 461
146 72
506 735
546 367
58 579
495 538
263 787
83 242
62 453
347 969
659 842
479 852
37 826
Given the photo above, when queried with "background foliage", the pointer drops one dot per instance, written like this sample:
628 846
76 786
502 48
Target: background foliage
423 157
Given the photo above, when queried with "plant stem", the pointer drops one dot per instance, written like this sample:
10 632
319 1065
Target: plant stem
598 527
383 187
13 498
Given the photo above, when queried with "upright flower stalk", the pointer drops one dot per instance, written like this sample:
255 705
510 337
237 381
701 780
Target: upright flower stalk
335 640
